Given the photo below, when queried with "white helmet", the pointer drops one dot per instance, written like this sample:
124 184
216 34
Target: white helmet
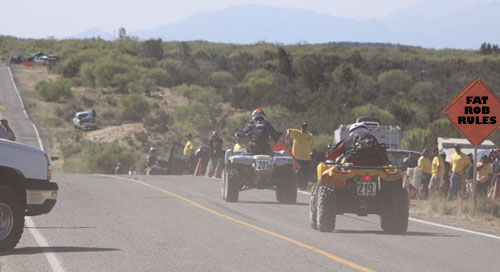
357 128
258 113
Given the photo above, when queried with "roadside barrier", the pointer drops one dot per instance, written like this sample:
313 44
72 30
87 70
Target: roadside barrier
197 170
208 172
218 169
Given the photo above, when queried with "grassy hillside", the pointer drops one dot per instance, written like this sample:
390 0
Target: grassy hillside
153 92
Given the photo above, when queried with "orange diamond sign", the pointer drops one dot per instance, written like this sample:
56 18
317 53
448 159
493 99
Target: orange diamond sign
475 111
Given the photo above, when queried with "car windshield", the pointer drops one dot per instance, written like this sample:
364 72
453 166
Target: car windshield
83 115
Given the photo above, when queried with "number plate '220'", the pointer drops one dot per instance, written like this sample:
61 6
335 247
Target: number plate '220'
367 188
261 165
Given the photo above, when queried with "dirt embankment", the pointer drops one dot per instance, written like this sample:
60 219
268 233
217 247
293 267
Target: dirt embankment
54 119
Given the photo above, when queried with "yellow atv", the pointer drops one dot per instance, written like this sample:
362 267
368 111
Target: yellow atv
362 190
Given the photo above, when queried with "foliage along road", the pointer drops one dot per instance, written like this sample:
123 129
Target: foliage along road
180 223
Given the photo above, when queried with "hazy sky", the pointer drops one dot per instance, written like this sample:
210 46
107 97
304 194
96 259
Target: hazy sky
63 18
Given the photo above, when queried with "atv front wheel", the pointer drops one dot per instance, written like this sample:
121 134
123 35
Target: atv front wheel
394 218
325 220
231 188
313 207
11 218
286 191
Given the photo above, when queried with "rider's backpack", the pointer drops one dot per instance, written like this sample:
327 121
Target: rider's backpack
364 147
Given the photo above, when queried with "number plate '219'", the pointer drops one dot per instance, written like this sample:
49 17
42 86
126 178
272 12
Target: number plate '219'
367 188
263 165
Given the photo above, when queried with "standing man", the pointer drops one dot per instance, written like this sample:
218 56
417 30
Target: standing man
425 164
189 153
216 152
437 172
459 162
5 131
303 144
484 175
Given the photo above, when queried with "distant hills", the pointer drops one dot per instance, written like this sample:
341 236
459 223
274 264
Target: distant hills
432 24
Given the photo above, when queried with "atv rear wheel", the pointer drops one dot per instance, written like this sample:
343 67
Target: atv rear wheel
394 218
313 207
325 219
231 188
286 190
11 218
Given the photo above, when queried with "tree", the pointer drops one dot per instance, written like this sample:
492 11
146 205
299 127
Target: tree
152 49
285 64
122 33
311 71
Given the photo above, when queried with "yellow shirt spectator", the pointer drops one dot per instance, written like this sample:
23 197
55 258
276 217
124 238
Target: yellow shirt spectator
238 147
484 173
459 162
425 164
303 143
188 148
438 166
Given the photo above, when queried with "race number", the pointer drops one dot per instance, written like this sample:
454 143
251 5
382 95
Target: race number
261 165
367 188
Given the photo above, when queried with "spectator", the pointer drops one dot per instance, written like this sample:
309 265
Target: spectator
189 154
5 131
445 185
484 175
425 164
131 170
117 170
437 171
459 163
216 152
303 144
240 145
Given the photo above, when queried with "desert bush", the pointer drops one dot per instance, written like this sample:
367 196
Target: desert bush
54 90
159 76
70 149
156 121
53 122
101 157
74 166
322 141
141 136
194 117
140 86
134 107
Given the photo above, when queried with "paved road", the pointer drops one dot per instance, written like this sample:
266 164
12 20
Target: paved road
180 223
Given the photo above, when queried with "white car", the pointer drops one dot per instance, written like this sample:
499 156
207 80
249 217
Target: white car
84 120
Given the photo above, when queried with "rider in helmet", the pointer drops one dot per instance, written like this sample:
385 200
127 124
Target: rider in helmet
360 148
258 131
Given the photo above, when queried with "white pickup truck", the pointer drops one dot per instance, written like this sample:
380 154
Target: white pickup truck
25 189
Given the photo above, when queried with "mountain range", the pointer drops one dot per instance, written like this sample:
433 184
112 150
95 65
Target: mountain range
430 24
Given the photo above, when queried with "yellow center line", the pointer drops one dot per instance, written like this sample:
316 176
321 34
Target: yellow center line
272 233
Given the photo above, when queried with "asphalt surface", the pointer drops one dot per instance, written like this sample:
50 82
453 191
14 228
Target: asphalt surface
180 223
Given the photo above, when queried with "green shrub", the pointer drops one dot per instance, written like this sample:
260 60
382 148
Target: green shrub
134 107
102 157
141 136
156 121
70 149
322 141
140 86
54 90
74 166
53 122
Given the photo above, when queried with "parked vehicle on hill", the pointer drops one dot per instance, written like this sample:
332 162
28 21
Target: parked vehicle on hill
245 171
25 189
84 120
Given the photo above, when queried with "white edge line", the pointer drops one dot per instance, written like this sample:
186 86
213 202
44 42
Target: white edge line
51 257
438 225
24 110
54 263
